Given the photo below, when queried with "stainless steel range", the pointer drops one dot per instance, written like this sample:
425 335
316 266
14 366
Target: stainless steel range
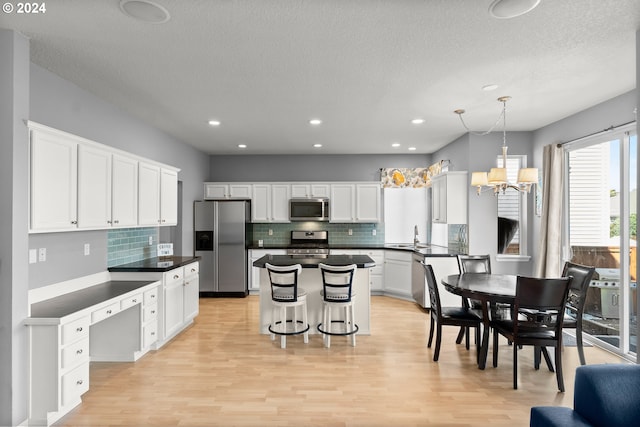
306 244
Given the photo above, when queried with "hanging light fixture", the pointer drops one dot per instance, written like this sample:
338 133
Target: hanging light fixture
496 179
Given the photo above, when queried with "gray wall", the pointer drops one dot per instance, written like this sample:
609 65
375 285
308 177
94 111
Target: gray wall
62 105
14 108
361 167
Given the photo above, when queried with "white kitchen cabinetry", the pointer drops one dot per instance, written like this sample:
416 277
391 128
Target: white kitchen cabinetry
61 348
397 274
148 195
94 187
316 190
355 202
224 191
124 201
157 195
270 203
449 195
77 184
376 274
168 197
253 273
53 182
181 293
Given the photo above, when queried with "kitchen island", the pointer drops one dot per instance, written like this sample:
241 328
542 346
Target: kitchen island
311 280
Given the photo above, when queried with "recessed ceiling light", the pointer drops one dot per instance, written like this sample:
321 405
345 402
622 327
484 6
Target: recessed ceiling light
417 121
395 145
507 9
488 88
315 122
214 122
242 145
317 145
145 11
411 148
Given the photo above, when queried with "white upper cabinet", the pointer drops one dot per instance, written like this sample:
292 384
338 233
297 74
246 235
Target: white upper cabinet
270 203
77 184
124 191
368 203
342 202
53 182
449 196
355 202
217 191
313 190
94 187
148 195
168 197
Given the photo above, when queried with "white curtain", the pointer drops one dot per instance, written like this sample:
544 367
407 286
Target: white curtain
550 255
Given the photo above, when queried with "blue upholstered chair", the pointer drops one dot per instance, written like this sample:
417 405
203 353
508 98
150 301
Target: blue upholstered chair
604 396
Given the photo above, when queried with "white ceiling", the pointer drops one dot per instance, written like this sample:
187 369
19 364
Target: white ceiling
365 67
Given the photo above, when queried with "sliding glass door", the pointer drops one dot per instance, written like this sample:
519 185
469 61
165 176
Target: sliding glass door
601 204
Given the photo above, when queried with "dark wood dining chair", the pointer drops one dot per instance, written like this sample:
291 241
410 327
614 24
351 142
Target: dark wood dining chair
472 264
453 316
537 320
581 277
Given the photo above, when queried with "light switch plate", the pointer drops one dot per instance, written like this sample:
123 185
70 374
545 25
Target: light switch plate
42 254
87 249
33 256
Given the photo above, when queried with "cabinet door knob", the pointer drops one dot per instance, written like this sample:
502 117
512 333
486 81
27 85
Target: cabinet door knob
79 351
176 276
79 329
79 382
74 222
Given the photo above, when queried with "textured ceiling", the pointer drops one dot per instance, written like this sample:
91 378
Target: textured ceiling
365 67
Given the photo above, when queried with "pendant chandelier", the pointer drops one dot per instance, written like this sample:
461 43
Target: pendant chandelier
496 178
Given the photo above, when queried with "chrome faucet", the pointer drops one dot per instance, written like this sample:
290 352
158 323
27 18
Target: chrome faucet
416 240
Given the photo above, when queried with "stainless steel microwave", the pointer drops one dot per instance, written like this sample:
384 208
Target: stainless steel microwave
309 209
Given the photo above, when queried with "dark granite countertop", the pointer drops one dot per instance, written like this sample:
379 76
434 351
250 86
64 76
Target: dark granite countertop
424 249
73 302
155 264
362 261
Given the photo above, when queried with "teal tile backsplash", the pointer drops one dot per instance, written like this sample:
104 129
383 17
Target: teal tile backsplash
338 233
127 245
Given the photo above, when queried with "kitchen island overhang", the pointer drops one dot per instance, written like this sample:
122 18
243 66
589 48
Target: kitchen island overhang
311 280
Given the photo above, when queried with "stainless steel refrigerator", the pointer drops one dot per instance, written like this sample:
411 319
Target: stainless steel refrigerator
220 237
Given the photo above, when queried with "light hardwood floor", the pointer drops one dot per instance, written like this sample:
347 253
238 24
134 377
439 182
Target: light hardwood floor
221 372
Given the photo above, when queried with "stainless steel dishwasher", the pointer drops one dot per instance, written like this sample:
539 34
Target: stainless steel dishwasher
419 289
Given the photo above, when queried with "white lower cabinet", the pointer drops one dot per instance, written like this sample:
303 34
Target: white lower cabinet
397 274
60 349
376 274
181 299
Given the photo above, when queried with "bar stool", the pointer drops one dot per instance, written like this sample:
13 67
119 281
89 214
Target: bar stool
337 292
286 294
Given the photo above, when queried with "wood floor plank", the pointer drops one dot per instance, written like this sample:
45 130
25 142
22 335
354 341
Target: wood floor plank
221 372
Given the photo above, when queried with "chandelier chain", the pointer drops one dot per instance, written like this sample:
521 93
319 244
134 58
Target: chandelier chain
500 117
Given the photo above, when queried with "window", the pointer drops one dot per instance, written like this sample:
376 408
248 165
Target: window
512 208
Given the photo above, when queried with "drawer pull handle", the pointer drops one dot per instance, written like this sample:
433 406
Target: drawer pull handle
79 351
153 295
79 329
79 382
153 333
176 277
108 311
193 270
153 312
134 301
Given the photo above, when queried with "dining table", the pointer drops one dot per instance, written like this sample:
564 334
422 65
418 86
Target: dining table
488 289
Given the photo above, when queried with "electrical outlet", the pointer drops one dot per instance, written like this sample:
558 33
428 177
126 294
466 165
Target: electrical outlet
373 232
350 232
33 256
270 232
87 249
42 254
150 240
